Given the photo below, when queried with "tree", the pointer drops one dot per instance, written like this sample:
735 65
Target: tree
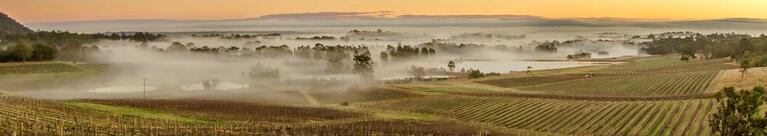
417 72
43 52
451 65
745 62
424 51
335 57
177 47
688 52
21 52
363 65
384 57
744 45
475 74
738 113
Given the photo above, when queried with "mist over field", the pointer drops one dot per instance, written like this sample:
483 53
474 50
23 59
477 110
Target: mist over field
182 74
185 73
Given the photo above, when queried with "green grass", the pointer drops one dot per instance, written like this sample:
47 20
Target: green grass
136 112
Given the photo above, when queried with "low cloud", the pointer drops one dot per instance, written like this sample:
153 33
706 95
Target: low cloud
381 15
329 16
506 17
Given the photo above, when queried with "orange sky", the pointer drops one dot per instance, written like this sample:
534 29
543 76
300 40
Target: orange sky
30 11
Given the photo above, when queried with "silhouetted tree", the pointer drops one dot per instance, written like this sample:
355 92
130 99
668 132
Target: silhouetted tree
363 65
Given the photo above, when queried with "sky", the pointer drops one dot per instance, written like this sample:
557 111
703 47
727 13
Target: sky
38 11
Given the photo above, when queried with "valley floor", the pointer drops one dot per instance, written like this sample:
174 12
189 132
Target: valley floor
644 96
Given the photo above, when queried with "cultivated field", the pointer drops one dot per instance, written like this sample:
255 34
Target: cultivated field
23 116
643 96
675 117
37 67
655 76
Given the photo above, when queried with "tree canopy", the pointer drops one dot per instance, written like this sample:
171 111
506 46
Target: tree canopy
738 113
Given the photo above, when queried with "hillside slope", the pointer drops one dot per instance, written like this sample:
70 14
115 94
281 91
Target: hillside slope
9 26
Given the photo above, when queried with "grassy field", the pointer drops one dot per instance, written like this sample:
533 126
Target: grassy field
40 75
735 78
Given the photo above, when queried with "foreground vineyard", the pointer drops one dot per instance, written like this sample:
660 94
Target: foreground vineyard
679 117
23 116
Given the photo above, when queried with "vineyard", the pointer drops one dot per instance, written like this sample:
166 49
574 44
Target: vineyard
24 116
678 117
37 67
658 65
235 111
645 96
636 85
655 76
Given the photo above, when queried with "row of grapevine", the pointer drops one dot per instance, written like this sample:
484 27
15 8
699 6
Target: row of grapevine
635 85
678 117
531 80
662 66
234 110
36 68
24 116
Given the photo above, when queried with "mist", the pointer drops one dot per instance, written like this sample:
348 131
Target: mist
186 75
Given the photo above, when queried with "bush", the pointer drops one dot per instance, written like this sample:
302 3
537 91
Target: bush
43 52
475 74
492 74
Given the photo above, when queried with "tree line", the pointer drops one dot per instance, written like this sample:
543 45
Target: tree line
719 45
62 45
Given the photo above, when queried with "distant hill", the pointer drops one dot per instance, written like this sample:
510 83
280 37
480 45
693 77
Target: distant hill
10 26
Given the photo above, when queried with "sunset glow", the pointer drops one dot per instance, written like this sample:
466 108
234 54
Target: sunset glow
31 11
